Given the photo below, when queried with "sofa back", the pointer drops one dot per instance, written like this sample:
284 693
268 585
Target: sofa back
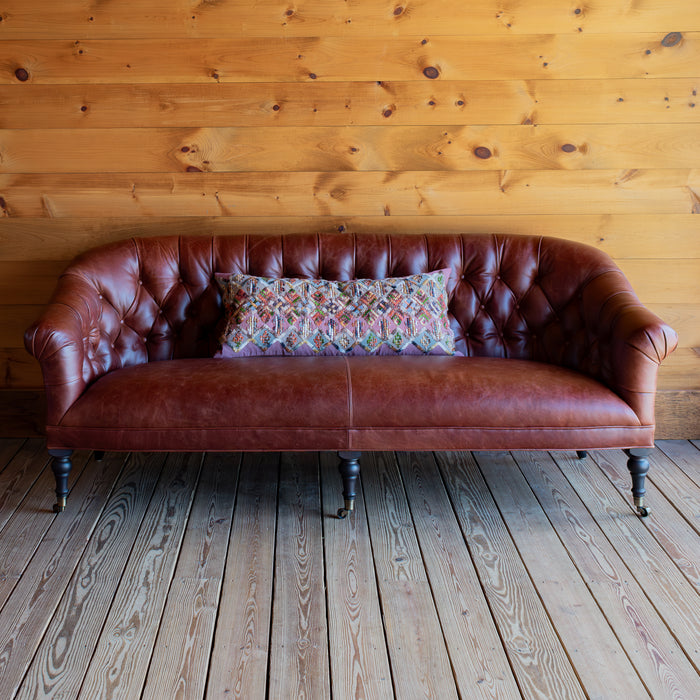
510 296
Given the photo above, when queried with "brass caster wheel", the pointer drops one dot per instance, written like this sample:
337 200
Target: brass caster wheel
643 511
60 506
342 513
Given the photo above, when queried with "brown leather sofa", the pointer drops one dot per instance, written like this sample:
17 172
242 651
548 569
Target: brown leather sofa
557 353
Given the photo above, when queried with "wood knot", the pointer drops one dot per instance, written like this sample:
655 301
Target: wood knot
482 152
398 11
568 148
193 169
22 74
431 72
313 76
275 108
671 39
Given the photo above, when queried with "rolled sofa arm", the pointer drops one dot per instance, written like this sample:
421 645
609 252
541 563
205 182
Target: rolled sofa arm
631 341
70 345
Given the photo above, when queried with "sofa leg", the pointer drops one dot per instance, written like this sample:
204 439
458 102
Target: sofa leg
99 455
581 454
349 469
638 464
61 465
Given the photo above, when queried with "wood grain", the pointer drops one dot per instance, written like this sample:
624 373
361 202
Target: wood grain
536 654
35 597
117 668
328 149
182 18
351 103
642 544
60 663
417 652
677 486
479 663
655 653
299 622
358 655
350 193
597 655
329 58
180 661
34 518
239 659
20 469
658 538
681 452
620 235
8 450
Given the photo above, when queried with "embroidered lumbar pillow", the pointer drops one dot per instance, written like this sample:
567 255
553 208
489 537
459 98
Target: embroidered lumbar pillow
287 316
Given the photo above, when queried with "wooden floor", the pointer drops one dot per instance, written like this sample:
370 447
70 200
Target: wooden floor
485 575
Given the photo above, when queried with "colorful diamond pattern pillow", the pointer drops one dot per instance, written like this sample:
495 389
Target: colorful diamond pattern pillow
286 316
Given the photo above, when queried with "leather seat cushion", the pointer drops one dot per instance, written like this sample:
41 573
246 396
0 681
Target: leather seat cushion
208 404
484 403
319 403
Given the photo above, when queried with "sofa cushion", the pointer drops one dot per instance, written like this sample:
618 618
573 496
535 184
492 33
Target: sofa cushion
249 403
288 316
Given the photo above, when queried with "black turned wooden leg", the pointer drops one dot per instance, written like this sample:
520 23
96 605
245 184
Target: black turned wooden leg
99 455
638 464
61 465
581 454
349 469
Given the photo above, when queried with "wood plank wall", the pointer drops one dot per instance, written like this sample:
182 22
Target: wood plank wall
579 119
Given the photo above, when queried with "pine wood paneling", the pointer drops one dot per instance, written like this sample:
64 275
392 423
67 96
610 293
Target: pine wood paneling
183 18
328 149
619 235
345 193
330 58
380 103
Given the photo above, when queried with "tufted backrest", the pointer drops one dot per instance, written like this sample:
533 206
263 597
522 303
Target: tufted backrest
510 296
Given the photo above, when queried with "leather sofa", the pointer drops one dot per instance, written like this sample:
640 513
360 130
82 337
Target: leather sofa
555 351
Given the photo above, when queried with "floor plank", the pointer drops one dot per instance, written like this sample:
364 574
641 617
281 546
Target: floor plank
299 646
667 526
34 600
238 667
479 662
677 486
22 469
23 533
684 455
538 659
359 661
180 659
8 449
598 657
419 659
59 666
652 649
120 662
